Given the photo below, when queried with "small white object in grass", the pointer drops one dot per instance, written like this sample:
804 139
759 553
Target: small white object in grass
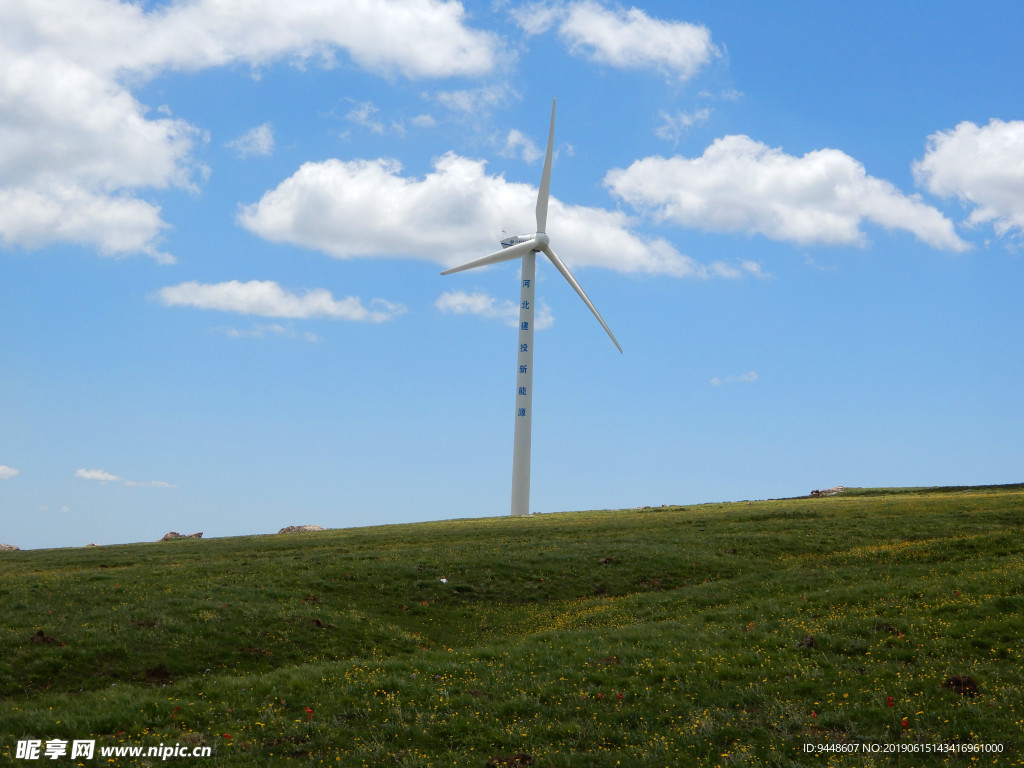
444 581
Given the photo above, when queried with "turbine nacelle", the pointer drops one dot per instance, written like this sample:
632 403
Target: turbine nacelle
541 239
508 242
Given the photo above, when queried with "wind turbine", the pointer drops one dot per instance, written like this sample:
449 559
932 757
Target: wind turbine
527 247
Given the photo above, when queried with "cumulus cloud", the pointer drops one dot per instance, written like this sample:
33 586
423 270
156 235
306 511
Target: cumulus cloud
744 378
983 166
268 299
484 305
368 208
742 185
101 475
255 141
114 225
6 473
621 38
78 150
75 148
413 38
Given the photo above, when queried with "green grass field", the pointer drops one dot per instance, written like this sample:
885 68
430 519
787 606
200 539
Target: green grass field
718 634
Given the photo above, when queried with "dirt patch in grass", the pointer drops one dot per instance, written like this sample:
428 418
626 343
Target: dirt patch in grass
965 685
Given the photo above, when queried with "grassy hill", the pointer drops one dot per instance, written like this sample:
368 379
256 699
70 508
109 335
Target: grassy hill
719 634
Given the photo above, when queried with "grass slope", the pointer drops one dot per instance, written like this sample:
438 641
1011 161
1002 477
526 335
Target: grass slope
719 634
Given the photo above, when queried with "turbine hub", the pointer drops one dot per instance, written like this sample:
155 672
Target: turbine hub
541 239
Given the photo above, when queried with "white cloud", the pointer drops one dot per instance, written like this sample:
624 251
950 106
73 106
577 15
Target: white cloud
729 95
74 149
810 262
367 208
983 167
626 39
97 474
363 113
33 217
255 141
77 149
6 473
537 18
268 299
742 185
478 100
103 476
674 126
750 268
486 306
263 330
517 141
412 38
744 378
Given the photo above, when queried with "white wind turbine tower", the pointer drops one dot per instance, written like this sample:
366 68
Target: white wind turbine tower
527 247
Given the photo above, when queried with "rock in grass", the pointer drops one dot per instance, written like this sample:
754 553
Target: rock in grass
828 491
9 548
175 535
301 528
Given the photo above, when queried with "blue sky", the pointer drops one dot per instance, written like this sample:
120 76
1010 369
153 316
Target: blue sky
222 226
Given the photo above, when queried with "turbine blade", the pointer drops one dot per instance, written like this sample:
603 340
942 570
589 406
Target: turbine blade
545 178
576 286
505 254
